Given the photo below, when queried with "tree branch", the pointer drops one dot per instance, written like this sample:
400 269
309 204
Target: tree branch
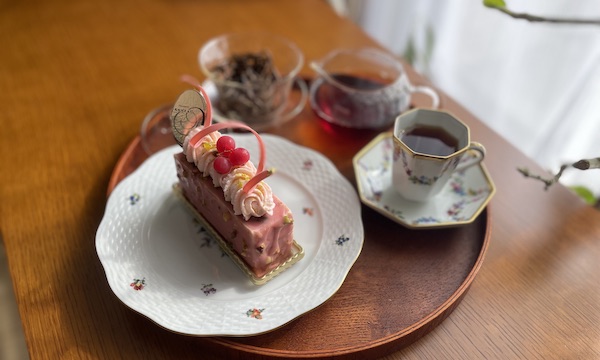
547 181
584 164
535 18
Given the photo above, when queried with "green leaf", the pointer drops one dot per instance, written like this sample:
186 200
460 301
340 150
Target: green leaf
410 53
586 194
494 3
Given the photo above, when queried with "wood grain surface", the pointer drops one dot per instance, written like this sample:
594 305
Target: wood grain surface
78 77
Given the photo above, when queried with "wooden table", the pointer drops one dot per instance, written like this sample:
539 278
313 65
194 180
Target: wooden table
77 78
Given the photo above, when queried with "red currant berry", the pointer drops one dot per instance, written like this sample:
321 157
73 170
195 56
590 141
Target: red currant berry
239 156
222 165
225 144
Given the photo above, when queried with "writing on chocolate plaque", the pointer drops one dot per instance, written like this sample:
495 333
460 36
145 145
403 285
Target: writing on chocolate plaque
188 112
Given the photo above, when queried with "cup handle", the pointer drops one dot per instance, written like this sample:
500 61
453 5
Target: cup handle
478 152
435 98
301 102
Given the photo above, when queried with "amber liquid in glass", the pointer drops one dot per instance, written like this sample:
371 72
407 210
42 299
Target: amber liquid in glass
336 95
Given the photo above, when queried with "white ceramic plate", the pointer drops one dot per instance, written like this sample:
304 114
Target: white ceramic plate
462 199
161 263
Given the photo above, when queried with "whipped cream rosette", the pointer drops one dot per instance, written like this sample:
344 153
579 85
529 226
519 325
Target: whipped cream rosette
256 199
241 181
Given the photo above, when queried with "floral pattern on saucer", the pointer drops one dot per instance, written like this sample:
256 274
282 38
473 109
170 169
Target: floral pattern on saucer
463 198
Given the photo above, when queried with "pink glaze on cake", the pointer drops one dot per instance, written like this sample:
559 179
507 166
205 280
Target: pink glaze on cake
234 200
263 243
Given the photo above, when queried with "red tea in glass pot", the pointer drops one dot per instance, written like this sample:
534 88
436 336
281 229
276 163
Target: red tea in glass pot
362 89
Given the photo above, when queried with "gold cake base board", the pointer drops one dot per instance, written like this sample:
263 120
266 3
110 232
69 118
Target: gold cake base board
297 250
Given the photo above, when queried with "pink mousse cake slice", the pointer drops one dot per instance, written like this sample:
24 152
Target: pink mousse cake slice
264 244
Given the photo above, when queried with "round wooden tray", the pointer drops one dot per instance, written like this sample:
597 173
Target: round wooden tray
402 286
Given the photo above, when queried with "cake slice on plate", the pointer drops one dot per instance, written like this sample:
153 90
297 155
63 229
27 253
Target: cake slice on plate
228 194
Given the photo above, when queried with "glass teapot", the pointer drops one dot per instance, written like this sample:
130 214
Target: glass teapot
365 88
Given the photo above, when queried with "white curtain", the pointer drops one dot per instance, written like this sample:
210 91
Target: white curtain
536 84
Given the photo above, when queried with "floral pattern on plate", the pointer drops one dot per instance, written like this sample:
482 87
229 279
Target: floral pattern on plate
463 198
196 290
138 284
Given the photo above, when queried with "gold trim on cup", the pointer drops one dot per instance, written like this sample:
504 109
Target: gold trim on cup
446 224
430 156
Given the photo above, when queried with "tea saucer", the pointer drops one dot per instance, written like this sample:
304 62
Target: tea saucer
462 199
